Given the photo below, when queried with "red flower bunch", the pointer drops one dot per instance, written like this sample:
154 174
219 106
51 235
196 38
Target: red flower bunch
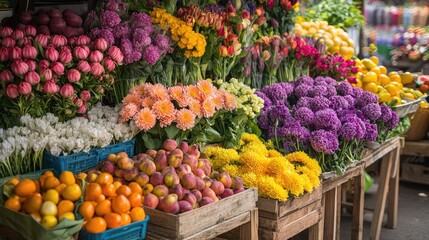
50 73
334 66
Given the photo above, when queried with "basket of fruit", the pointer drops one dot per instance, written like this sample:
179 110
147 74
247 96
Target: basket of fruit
407 108
40 206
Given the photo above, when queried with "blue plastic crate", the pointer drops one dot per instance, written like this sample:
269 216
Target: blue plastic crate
76 163
127 147
132 231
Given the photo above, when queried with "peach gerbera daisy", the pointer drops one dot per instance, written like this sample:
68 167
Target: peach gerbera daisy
185 119
145 119
166 121
140 90
230 100
194 92
206 88
218 100
132 98
128 111
159 92
164 109
195 107
208 108
147 102
178 94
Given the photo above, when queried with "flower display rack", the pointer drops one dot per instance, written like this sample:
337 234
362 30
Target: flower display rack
133 231
80 162
284 220
208 221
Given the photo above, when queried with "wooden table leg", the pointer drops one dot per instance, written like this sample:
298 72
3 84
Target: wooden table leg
249 230
358 206
392 206
383 188
331 212
315 232
339 210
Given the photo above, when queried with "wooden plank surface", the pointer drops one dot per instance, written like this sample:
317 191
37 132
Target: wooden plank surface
333 182
331 211
420 148
358 207
373 156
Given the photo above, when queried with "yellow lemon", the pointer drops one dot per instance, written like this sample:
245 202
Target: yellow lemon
68 215
384 97
398 85
383 69
374 59
49 221
371 87
368 64
392 90
397 100
424 104
418 93
376 70
72 192
51 195
369 77
409 95
392 73
383 79
407 78
48 208
395 78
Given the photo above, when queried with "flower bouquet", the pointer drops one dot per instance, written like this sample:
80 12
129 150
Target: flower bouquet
275 175
335 66
42 74
330 121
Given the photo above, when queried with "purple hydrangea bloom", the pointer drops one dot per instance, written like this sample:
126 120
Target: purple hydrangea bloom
302 90
372 111
330 81
130 54
140 20
305 80
111 5
357 92
319 103
344 88
304 102
288 88
293 129
326 119
141 39
323 141
318 90
393 122
275 92
162 41
347 116
348 131
350 99
320 81
330 91
338 103
263 119
304 115
109 19
280 113
151 54
366 98
121 30
267 101
386 113
371 132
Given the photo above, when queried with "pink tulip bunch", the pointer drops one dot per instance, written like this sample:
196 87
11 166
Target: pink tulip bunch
53 73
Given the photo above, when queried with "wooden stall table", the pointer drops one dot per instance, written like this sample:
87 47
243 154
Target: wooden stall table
389 152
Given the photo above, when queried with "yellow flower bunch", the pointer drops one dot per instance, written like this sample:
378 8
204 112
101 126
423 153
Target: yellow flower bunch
193 43
276 176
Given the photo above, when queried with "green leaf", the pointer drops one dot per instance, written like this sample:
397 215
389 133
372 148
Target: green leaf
212 135
172 131
151 143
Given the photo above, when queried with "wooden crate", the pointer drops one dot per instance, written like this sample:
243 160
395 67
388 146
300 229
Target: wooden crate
283 220
209 221
414 172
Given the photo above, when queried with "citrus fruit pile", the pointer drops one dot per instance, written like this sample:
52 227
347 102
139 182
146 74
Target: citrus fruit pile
110 204
388 86
48 199
335 39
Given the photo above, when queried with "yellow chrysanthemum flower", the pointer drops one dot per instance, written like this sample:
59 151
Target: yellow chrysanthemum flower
233 170
220 157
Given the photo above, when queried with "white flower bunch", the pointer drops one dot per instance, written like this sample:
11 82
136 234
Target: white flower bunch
21 146
247 100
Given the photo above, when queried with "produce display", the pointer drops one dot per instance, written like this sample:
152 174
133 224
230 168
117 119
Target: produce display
335 39
173 179
49 200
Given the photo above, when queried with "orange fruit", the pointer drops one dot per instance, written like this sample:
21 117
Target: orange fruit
135 199
92 192
36 216
407 78
67 178
113 220
117 184
374 59
135 187
25 188
371 87
86 209
13 181
104 178
424 88
101 198
60 188
376 70
121 204
383 79
369 77
137 214
383 69
37 183
392 89
103 208
50 182
109 190
96 225
13 204
395 78
48 173
72 192
126 219
65 206
124 190
33 203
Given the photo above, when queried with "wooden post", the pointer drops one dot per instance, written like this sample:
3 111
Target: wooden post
358 207
315 232
249 230
331 213
383 188
392 207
